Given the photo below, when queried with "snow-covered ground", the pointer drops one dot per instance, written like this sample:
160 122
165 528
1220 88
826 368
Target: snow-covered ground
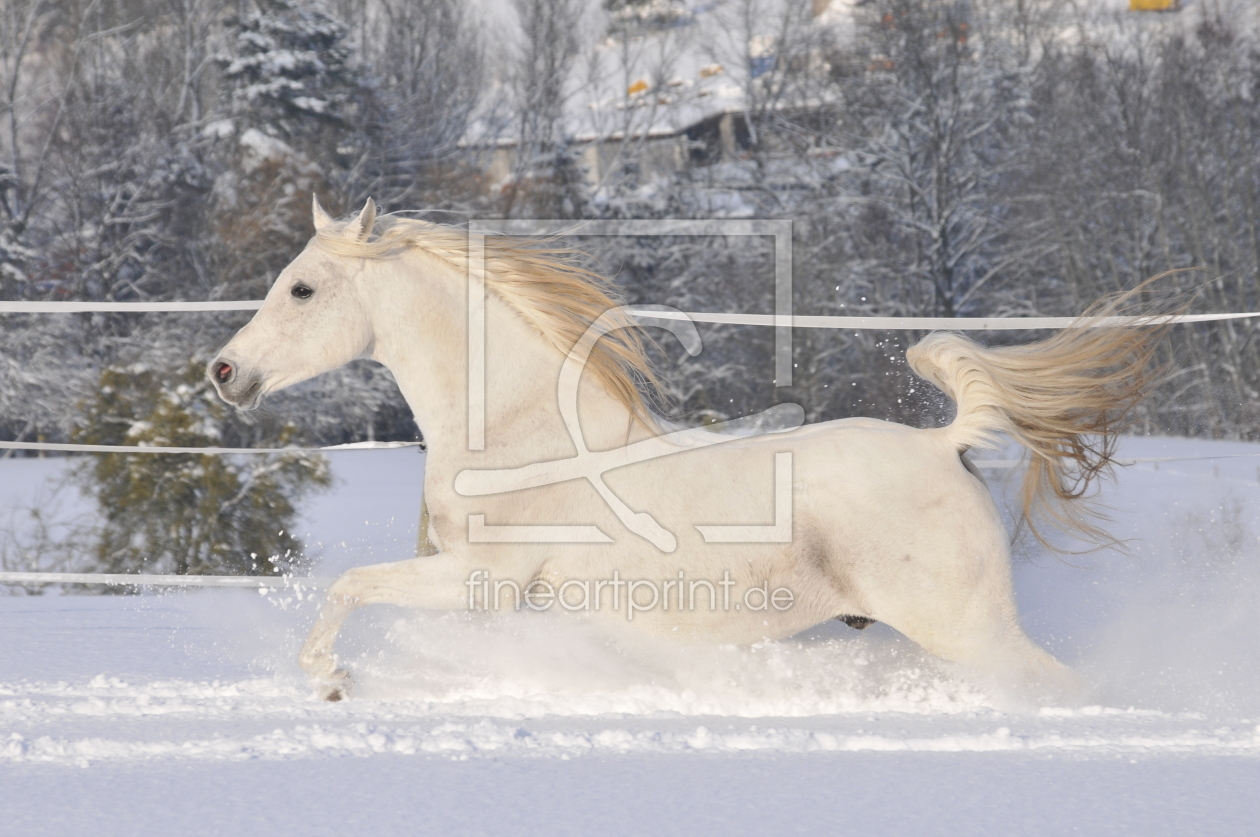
185 713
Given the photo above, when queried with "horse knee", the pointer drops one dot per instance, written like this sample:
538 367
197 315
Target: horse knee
347 588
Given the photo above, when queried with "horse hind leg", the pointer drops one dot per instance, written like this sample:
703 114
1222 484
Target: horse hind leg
969 617
993 648
1013 666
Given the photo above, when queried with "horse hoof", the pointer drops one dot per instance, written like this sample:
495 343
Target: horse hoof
337 687
857 622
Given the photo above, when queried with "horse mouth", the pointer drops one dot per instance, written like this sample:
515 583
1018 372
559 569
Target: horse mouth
245 400
250 398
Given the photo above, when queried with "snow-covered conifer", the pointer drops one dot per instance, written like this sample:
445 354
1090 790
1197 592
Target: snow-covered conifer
287 68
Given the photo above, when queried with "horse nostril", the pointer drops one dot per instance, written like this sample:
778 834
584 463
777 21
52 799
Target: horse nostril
223 372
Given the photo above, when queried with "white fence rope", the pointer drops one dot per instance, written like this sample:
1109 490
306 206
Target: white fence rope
929 323
135 580
320 582
1000 464
8 307
209 451
772 320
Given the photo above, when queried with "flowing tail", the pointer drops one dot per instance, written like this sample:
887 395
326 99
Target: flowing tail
1066 399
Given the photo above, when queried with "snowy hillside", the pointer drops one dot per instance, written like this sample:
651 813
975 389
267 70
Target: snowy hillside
186 713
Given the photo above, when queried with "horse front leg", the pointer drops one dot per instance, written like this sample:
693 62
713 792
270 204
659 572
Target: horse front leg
438 582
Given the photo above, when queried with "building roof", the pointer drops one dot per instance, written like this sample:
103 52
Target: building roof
692 60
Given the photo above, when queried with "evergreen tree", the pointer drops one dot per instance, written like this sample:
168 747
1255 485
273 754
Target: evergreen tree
188 513
288 71
292 104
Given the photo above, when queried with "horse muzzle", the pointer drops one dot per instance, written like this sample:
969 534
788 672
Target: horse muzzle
242 390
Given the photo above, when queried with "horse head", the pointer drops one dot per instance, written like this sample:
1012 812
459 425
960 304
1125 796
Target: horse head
312 321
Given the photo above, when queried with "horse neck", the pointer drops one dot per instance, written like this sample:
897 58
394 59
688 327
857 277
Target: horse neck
421 327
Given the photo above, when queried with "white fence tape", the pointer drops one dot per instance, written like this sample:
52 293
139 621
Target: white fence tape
319 582
68 448
134 580
7 307
930 323
793 321
1000 464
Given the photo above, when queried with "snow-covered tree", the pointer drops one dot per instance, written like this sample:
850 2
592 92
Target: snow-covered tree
288 98
936 119
287 69
547 179
426 66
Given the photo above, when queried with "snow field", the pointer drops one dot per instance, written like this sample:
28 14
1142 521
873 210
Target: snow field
185 712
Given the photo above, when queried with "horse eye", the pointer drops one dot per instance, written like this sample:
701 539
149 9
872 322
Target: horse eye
301 291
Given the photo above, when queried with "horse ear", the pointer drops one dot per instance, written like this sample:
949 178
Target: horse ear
322 218
367 217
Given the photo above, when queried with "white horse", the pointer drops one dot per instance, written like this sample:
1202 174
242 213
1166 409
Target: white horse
579 501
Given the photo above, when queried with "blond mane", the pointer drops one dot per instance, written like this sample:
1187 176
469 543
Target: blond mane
543 282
